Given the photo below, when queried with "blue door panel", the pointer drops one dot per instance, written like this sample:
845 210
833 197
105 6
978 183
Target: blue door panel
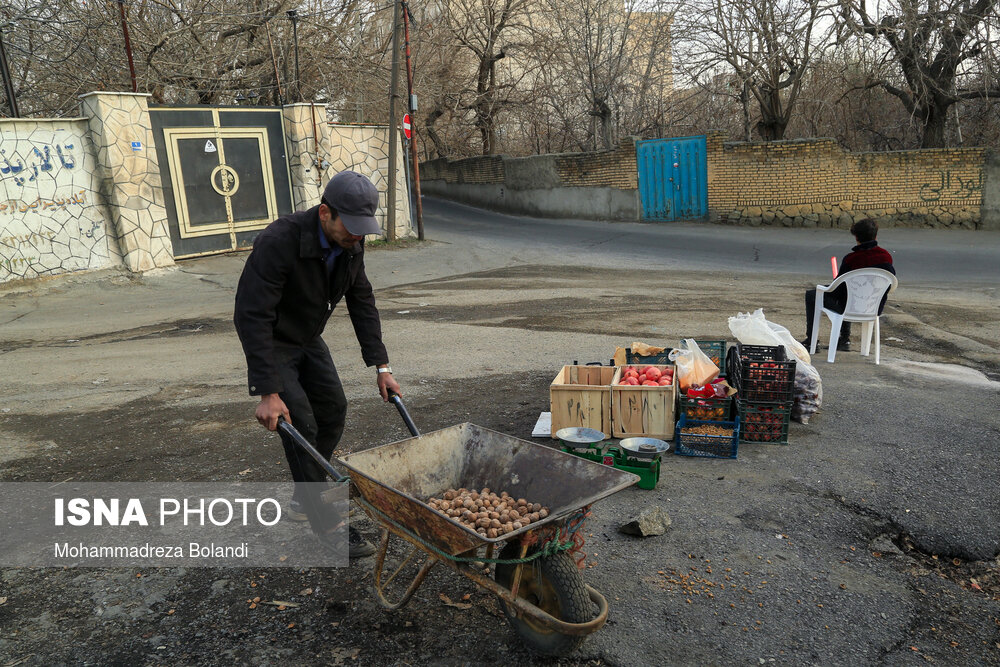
673 178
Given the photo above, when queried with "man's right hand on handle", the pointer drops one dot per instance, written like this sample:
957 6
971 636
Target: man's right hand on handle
269 409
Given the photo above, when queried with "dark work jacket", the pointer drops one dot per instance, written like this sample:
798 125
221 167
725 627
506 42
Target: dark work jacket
284 297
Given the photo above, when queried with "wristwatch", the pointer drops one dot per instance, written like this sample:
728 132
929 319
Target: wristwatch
387 369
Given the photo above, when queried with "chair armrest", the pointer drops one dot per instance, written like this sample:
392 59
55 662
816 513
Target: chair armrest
822 288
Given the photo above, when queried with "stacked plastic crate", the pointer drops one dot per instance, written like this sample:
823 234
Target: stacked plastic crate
764 378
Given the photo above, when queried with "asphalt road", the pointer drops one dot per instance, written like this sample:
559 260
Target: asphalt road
920 255
872 538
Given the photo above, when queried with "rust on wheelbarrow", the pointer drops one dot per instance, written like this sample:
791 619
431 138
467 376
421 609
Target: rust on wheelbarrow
397 479
522 608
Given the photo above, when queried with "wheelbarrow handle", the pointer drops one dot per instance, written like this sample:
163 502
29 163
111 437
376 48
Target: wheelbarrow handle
395 398
299 440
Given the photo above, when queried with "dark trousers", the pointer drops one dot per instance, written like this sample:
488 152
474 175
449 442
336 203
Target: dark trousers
833 301
318 408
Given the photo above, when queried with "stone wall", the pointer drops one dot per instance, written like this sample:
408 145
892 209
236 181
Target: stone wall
121 137
601 185
809 183
52 213
990 218
361 148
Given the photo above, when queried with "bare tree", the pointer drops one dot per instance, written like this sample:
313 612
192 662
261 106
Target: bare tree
488 30
944 50
766 47
616 57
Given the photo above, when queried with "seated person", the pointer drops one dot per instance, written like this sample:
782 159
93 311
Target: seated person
867 254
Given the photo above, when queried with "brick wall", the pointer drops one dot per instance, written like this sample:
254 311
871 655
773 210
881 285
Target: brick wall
611 169
486 169
816 183
600 185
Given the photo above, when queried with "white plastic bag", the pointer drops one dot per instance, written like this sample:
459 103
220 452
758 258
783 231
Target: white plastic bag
754 329
693 366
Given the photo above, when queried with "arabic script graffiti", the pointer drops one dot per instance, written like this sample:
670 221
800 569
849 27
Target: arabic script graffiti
31 237
952 186
11 264
40 160
18 206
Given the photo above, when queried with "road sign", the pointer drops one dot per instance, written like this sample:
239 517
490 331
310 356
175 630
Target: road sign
406 125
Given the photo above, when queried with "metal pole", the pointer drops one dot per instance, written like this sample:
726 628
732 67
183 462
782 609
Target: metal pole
274 62
390 232
294 16
7 82
128 46
406 173
413 124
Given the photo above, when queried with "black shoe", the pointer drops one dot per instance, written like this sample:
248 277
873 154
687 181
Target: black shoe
844 346
358 546
296 512
807 342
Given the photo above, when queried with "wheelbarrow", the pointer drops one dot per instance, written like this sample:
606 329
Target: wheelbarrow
531 570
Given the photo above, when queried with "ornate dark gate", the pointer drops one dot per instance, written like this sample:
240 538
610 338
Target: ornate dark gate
225 175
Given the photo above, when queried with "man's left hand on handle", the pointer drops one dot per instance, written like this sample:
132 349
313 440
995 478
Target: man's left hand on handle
387 384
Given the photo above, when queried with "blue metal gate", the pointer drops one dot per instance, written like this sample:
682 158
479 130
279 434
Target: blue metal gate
673 178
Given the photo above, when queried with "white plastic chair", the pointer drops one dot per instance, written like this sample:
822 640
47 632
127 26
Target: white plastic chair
865 289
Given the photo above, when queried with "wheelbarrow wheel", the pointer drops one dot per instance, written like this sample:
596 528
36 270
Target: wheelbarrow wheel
553 584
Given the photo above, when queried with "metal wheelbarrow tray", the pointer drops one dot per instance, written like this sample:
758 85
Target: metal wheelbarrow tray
397 479
541 591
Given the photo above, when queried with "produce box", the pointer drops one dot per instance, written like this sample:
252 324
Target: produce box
761 373
642 411
714 350
707 445
581 396
710 409
764 422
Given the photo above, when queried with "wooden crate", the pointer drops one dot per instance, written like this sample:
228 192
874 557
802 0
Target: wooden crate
581 396
638 411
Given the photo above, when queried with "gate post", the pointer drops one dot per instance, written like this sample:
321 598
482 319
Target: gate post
360 148
122 136
305 153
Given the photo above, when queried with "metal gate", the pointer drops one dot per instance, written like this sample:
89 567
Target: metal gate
673 178
225 175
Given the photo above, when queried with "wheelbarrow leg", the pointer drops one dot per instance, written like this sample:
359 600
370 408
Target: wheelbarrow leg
414 585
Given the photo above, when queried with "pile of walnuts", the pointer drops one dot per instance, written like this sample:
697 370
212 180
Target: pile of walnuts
487 513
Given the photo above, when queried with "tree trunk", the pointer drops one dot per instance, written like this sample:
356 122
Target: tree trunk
440 146
935 119
771 126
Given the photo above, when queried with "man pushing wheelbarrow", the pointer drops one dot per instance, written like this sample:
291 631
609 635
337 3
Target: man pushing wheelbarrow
300 268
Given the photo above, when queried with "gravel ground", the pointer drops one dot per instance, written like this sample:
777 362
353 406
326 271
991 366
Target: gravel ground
871 539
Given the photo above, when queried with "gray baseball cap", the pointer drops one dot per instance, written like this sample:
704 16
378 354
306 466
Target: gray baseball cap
355 198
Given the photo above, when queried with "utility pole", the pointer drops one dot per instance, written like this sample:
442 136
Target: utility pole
412 107
274 62
390 232
7 81
294 16
128 46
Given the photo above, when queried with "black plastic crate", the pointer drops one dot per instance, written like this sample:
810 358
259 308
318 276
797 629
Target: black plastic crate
713 349
761 373
707 446
764 422
663 358
709 409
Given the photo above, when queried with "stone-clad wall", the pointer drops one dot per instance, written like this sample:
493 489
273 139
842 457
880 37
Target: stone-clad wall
810 183
122 138
52 213
361 148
